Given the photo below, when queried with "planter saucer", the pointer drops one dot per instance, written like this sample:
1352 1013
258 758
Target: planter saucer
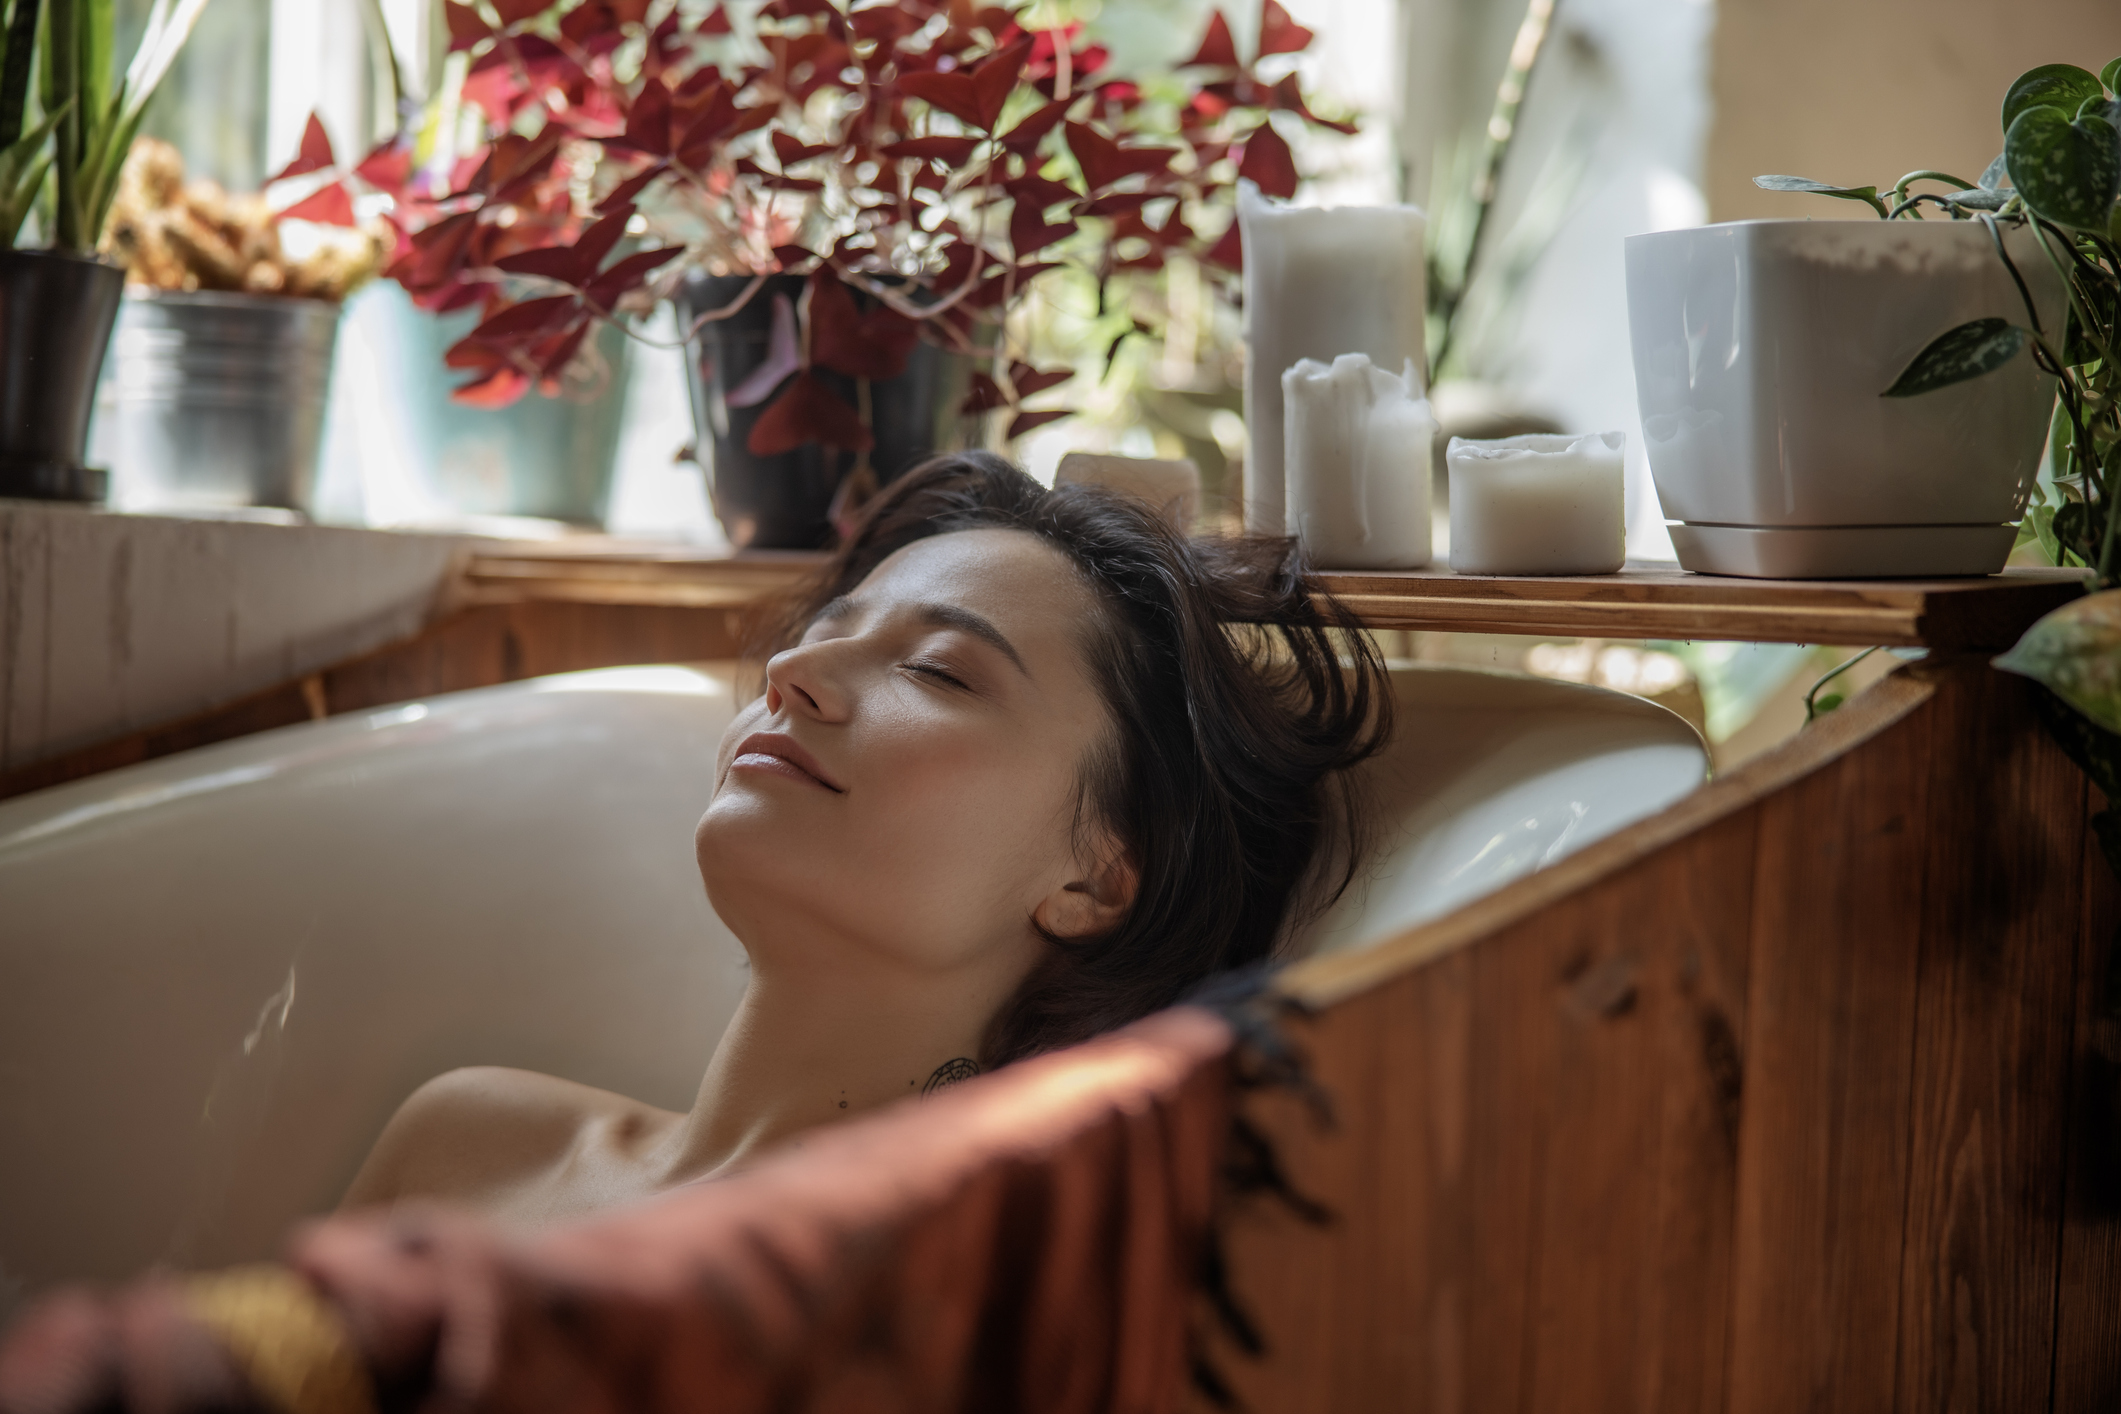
1843 551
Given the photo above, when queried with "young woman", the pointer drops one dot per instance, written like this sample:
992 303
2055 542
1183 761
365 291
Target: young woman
1029 764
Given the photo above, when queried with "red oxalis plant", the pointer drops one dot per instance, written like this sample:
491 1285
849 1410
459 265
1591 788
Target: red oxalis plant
921 162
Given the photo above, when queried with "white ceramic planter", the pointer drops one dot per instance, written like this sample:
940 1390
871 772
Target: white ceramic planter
1761 349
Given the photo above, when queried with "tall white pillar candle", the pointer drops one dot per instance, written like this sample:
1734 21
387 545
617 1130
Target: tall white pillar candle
1319 283
1541 504
1356 447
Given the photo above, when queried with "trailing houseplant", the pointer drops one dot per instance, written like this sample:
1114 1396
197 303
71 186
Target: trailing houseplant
66 123
871 180
2058 179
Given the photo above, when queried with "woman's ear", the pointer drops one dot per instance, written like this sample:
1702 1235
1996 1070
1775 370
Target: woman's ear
1096 900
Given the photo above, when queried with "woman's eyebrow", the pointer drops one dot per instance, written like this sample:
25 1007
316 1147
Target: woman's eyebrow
838 607
978 625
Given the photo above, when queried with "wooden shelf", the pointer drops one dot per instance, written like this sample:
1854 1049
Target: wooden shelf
1979 614
1984 614
655 576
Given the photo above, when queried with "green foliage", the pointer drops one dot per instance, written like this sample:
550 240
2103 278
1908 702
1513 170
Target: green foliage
23 156
1807 185
1970 350
85 115
2075 653
2067 170
2063 86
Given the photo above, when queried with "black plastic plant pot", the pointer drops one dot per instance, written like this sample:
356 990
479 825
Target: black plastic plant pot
783 501
56 313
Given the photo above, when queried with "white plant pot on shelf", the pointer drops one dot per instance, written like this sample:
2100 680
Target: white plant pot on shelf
1761 350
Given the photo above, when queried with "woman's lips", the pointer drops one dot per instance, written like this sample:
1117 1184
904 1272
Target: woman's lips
771 751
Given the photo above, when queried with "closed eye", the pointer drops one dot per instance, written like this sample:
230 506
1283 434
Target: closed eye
934 670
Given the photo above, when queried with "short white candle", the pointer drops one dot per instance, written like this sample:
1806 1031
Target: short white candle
1319 283
1356 448
1541 504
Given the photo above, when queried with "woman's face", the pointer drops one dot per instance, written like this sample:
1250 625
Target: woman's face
907 783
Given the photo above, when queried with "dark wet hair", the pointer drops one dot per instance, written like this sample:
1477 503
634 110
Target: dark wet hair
1238 694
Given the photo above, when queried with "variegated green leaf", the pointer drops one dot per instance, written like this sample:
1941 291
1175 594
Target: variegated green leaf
1812 188
1968 351
2063 86
2068 172
2075 653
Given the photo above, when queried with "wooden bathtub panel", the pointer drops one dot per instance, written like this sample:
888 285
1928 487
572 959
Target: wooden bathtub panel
1838 890
1993 1043
1391 1167
2088 1300
1632 1201
1759 1105
1532 1166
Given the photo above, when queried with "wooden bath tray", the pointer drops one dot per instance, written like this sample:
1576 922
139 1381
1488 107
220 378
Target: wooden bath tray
1660 601
1664 602
521 610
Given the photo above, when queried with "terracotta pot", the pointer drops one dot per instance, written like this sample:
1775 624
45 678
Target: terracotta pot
1761 350
56 313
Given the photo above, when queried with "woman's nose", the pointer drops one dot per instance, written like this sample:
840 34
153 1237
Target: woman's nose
801 680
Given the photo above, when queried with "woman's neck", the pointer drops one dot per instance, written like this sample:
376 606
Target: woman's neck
801 1052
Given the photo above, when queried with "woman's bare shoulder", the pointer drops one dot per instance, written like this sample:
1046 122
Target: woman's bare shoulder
475 1134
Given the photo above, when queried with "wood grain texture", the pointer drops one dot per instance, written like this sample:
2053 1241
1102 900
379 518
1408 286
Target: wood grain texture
2088 1287
1822 1185
1949 614
1533 1164
2002 900
1800 1096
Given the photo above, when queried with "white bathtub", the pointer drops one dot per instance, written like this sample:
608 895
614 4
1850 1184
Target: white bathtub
221 971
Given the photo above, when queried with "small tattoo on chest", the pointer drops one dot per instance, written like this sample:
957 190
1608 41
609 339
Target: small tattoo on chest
950 1072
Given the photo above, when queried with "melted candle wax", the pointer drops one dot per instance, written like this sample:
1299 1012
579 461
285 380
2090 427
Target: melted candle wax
1356 448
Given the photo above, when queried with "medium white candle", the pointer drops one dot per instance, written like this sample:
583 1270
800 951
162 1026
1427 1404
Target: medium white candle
1319 283
1541 504
1356 447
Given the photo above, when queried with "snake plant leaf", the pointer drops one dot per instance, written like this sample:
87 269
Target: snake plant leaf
1996 176
2068 172
2075 653
1967 351
2063 86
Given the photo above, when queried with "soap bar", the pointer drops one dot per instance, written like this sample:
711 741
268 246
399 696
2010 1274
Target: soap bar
1170 485
1355 458
1539 504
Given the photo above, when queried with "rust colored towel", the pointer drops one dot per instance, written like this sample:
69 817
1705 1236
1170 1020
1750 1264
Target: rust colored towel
1027 1241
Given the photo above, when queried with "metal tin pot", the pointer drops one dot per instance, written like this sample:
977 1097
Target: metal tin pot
212 400
55 319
